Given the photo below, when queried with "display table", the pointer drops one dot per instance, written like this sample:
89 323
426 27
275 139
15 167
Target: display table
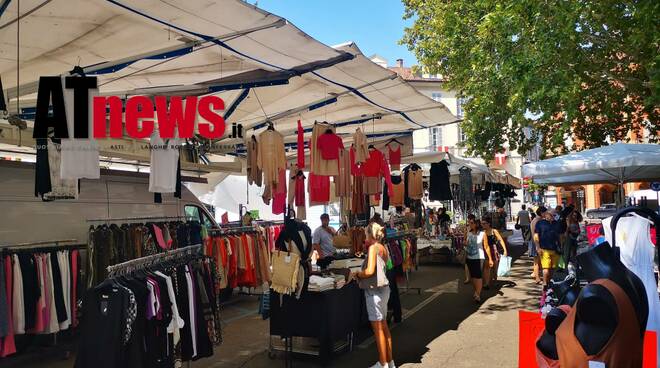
328 316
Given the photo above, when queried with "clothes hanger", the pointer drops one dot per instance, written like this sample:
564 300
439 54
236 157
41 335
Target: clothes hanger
270 126
634 214
393 140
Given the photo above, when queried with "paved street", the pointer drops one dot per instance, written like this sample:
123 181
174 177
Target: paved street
442 327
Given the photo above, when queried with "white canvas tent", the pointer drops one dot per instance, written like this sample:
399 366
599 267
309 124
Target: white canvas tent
263 67
618 163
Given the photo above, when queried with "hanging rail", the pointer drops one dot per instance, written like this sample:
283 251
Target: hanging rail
154 258
113 219
36 244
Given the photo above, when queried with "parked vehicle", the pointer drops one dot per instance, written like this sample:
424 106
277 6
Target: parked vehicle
117 194
602 212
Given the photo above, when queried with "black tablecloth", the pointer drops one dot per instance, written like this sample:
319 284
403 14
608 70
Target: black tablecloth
328 316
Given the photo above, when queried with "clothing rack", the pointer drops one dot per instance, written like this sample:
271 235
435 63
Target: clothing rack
139 263
403 235
39 244
138 219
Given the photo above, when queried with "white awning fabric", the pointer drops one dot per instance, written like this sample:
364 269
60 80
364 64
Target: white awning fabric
617 163
218 46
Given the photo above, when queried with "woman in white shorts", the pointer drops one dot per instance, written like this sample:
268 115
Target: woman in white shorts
376 288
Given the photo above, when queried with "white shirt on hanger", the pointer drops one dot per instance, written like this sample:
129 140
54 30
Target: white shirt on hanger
80 156
177 322
17 296
164 161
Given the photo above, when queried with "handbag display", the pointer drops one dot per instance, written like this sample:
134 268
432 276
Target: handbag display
285 272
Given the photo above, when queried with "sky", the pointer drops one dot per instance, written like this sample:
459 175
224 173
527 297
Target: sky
375 26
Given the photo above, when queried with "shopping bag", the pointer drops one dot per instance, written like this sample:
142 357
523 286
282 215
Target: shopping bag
562 264
505 266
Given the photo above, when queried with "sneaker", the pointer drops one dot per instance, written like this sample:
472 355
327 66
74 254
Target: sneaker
391 364
378 365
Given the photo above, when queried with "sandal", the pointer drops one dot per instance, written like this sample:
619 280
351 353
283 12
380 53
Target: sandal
477 298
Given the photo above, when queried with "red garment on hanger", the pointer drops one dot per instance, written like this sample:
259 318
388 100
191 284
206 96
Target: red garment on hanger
233 263
377 166
395 156
279 195
319 188
8 346
301 146
356 170
329 144
300 190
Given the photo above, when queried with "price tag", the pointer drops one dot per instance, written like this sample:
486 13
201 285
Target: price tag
287 259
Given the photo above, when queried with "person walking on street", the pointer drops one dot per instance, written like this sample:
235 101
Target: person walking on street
475 256
523 221
536 273
547 239
373 280
470 217
491 240
572 234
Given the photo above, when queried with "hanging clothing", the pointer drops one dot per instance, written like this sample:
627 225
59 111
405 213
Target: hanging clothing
358 205
42 184
60 188
466 193
439 189
296 196
8 346
271 156
4 308
394 157
319 189
637 253
329 144
80 156
253 171
280 194
360 144
376 166
413 177
394 199
318 165
343 182
301 146
164 163
356 170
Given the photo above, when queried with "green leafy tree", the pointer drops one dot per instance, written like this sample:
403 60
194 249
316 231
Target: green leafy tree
586 69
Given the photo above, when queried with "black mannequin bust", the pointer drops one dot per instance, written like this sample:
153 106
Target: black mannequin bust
597 313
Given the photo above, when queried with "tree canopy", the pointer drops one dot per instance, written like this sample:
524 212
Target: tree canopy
585 69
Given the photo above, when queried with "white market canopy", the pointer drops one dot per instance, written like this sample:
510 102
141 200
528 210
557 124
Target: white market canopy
263 67
617 163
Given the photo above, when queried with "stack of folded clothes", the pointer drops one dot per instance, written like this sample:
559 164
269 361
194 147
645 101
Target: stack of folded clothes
318 283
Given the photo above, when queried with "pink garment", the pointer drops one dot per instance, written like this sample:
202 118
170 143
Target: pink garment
279 194
74 287
8 346
301 146
159 237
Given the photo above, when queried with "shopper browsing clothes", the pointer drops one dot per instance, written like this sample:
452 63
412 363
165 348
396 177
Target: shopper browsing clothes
475 256
492 242
548 243
373 281
322 237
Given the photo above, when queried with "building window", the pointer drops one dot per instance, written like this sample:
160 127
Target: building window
436 96
459 107
461 135
435 138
